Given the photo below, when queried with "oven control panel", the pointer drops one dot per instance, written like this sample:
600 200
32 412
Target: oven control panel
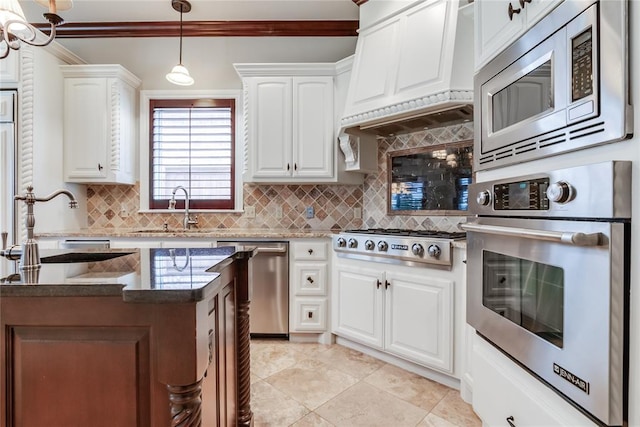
521 195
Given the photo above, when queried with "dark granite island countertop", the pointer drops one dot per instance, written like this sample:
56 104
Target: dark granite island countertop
146 337
139 275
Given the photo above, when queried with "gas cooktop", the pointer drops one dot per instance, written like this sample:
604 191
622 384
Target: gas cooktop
406 232
398 246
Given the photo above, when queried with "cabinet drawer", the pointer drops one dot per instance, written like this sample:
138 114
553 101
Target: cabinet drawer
313 251
6 107
310 315
310 278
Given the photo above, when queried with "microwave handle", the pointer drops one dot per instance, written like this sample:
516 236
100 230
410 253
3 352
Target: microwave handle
575 239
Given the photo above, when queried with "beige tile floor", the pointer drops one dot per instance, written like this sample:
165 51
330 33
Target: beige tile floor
295 384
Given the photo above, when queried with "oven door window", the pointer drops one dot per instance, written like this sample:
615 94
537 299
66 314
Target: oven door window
528 293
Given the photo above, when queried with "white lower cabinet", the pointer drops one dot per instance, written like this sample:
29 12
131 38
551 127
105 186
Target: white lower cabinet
409 315
504 394
308 285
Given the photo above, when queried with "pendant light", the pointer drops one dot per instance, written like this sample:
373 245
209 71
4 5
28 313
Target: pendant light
179 74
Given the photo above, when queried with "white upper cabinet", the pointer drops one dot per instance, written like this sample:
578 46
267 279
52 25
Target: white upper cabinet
290 115
99 124
10 70
500 22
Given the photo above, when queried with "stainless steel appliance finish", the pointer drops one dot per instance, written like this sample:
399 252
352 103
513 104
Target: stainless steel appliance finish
563 86
548 279
268 288
395 246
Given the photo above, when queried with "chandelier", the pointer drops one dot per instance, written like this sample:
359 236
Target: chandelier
14 27
179 74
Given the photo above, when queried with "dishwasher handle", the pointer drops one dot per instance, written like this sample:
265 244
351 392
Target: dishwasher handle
262 250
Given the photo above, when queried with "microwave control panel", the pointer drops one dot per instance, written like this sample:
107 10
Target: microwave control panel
530 195
582 65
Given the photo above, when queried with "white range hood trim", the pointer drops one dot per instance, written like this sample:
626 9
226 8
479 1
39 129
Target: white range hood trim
432 103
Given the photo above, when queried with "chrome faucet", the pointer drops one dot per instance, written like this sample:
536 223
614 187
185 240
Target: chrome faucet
187 222
30 259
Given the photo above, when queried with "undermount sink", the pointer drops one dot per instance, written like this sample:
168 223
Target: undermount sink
171 230
69 257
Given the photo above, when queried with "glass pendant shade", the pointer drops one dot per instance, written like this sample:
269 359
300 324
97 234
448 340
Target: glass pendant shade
179 75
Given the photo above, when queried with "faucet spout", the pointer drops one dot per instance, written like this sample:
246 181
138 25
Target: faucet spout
187 221
30 258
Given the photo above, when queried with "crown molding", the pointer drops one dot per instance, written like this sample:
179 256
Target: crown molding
325 28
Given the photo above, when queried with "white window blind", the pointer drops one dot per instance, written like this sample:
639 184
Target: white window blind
192 146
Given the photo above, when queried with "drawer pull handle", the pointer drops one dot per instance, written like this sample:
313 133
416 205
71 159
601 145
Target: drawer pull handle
511 11
309 279
386 284
310 251
510 421
378 284
100 167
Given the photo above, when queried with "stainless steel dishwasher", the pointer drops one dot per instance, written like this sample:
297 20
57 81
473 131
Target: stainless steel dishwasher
268 287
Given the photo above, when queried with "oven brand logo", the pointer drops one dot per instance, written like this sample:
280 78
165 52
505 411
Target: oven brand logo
400 247
573 379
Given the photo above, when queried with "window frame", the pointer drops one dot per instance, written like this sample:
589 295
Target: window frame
145 156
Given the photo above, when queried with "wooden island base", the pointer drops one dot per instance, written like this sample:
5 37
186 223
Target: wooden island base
102 361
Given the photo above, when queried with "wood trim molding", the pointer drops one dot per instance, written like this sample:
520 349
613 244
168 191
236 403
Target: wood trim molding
326 28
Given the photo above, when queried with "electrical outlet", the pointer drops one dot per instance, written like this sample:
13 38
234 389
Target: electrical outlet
310 212
250 211
123 211
278 212
357 213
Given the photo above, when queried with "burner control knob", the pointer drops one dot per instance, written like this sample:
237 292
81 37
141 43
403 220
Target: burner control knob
417 249
342 242
353 243
434 251
483 198
369 245
383 246
560 192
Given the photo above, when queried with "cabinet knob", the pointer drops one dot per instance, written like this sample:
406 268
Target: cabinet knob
295 166
309 279
386 284
100 167
310 251
510 421
310 315
511 11
378 284
524 2
288 167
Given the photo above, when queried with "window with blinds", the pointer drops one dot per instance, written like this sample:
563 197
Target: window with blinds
192 145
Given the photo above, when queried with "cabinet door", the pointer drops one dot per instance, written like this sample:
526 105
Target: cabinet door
310 278
270 126
313 127
494 30
419 319
86 118
357 305
537 9
309 314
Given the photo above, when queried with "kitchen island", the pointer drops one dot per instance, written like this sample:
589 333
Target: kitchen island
140 337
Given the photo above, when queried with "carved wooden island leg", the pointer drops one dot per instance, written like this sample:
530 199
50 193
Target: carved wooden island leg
186 405
245 416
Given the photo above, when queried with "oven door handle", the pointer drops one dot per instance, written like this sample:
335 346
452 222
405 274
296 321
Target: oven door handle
569 238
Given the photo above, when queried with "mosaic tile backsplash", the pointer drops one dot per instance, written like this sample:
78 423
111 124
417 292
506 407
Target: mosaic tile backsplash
334 205
375 185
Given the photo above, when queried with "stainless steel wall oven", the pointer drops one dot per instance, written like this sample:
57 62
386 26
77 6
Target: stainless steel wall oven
548 279
562 86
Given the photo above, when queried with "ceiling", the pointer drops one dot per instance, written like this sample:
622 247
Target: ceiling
201 10
209 59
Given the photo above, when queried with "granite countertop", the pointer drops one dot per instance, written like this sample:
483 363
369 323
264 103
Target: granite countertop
225 233
147 275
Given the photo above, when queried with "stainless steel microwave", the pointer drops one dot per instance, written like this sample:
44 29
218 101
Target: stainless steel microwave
562 86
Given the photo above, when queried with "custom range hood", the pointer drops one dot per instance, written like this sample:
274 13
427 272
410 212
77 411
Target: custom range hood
413 67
